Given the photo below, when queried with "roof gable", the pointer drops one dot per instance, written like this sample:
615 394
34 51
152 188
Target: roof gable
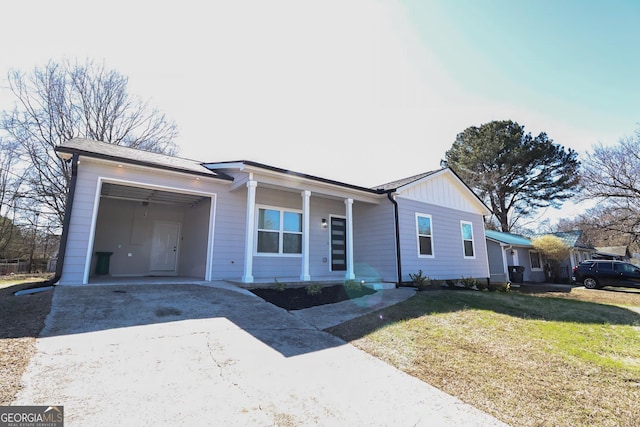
614 250
440 187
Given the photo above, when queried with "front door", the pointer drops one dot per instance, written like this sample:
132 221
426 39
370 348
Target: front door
338 244
164 247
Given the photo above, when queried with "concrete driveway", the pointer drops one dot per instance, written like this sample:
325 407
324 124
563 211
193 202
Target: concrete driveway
193 355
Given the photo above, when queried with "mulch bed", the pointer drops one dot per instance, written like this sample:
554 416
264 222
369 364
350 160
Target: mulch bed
297 298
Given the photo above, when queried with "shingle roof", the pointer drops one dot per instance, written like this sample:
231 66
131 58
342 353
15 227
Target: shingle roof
402 182
613 250
508 238
114 152
217 165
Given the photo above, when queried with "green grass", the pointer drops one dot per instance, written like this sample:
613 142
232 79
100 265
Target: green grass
529 361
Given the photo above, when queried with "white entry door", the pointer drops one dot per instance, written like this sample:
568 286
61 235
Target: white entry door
164 246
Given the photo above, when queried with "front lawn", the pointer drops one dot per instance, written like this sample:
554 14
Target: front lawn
569 359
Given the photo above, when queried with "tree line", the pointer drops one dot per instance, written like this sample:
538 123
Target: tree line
52 104
516 174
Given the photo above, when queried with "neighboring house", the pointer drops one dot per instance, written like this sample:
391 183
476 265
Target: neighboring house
620 253
508 250
134 213
579 251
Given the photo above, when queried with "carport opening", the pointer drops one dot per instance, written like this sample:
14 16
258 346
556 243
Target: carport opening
149 232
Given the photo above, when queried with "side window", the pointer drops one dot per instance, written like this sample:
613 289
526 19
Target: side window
604 266
467 239
534 258
424 235
624 268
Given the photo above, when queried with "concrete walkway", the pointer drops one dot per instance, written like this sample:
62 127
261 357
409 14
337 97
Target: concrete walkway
158 355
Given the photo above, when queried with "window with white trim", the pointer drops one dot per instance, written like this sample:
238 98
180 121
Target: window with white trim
467 239
425 235
279 232
534 258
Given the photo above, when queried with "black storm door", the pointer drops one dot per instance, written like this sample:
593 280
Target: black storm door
338 244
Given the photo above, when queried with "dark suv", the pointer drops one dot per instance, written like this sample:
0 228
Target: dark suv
598 273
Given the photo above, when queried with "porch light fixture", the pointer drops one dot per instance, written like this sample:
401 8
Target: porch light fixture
324 223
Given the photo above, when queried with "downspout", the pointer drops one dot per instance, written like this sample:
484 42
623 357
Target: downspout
66 220
397 227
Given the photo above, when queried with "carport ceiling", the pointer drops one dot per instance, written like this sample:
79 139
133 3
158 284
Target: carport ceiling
140 194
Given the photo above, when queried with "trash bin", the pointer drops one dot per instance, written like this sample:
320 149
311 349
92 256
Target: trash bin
516 273
102 263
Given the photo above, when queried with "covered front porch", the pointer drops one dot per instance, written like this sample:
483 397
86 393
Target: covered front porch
304 229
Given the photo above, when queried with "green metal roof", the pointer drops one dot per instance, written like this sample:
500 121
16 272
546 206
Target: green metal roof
508 238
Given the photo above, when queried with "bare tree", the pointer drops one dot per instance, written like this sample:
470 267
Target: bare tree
611 175
61 101
10 184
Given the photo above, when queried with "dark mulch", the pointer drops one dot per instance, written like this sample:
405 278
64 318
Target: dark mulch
297 298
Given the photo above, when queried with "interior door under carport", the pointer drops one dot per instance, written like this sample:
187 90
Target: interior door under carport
164 247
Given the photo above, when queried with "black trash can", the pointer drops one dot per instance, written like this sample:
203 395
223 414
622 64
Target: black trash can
102 263
516 273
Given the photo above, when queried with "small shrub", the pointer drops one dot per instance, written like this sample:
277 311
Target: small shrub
279 286
314 289
500 287
482 285
469 282
419 280
450 283
352 286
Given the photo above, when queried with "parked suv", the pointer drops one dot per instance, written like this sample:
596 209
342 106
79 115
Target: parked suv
598 273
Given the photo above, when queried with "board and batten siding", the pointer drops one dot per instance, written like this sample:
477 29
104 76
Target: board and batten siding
443 190
448 261
375 242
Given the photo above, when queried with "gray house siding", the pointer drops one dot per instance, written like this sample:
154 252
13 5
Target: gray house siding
375 242
496 265
523 259
448 261
229 234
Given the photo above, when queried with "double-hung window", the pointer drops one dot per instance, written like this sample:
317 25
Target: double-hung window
279 232
467 239
425 235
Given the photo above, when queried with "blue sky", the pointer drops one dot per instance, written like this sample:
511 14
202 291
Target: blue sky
573 59
360 91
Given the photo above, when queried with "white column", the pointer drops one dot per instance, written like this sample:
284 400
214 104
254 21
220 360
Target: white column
505 263
350 273
247 276
304 275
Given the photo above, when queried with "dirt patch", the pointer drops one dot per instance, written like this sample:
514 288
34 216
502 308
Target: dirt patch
22 319
297 298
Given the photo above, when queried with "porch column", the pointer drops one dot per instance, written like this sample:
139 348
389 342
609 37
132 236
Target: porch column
349 274
304 275
247 276
505 263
